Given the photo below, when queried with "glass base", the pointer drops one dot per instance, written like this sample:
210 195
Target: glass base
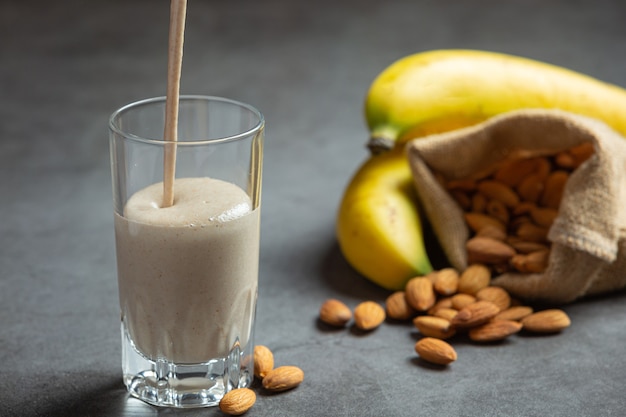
167 384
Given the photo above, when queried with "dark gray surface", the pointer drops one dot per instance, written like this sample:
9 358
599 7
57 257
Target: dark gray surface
65 66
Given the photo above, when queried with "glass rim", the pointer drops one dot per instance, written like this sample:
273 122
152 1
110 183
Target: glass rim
113 126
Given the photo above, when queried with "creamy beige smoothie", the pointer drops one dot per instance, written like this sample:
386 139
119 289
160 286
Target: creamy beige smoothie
188 273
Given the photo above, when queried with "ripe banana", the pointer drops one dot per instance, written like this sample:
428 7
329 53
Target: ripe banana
442 90
378 226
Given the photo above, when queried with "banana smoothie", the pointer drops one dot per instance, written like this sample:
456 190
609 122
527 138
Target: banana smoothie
188 273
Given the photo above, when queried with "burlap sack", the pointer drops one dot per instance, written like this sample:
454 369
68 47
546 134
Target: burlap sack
588 237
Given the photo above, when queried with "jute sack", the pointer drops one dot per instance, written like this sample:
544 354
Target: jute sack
588 237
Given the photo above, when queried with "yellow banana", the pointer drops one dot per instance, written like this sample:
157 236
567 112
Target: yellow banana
442 90
378 225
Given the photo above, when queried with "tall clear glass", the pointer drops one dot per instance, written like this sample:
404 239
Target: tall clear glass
187 273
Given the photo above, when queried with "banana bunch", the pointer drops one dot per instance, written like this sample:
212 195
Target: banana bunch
378 225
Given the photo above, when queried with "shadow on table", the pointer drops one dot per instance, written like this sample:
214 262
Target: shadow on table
341 277
109 398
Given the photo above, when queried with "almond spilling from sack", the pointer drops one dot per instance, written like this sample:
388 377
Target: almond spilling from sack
446 303
420 293
546 321
494 331
397 308
511 208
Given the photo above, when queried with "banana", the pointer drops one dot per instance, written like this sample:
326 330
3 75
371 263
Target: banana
442 90
378 225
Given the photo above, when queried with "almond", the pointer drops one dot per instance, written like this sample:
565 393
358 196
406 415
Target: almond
335 313
477 221
495 190
497 209
237 401
368 315
435 351
543 216
263 361
531 232
553 192
420 293
515 313
523 207
513 171
397 308
475 314
582 152
434 327
534 262
494 331
531 188
565 160
283 378
446 281
445 313
474 278
443 302
488 251
496 295
525 247
546 321
492 232
460 301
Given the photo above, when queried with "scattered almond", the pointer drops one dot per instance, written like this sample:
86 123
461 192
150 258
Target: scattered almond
434 327
474 278
445 313
546 321
263 361
442 302
397 307
475 314
515 313
460 301
435 351
335 313
494 331
368 315
496 295
237 401
446 281
420 293
283 378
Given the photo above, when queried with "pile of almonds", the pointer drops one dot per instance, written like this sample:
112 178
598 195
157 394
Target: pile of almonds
237 401
445 303
510 207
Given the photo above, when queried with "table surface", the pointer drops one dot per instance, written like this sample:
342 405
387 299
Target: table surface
65 66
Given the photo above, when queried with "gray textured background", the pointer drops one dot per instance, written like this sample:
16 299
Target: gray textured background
65 66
